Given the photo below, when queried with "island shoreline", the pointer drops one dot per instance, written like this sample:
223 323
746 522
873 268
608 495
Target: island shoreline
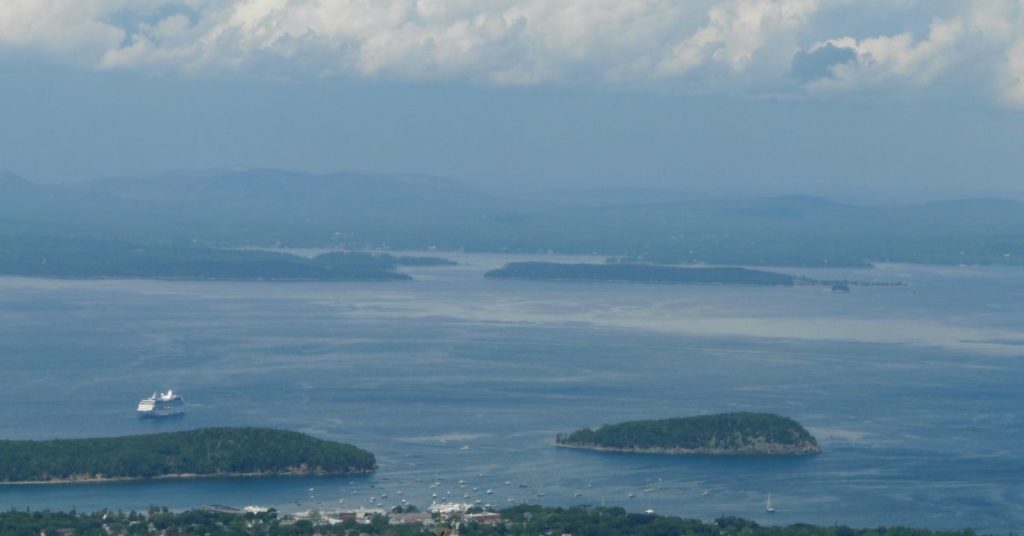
181 476
700 452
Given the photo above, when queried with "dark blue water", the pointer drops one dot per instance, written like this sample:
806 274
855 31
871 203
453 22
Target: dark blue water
914 393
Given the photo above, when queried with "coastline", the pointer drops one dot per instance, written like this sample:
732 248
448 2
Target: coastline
798 282
780 450
211 279
636 281
86 479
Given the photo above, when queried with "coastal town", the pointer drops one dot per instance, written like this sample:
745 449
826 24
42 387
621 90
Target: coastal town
449 516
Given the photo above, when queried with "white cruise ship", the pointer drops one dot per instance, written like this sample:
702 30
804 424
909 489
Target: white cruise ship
161 405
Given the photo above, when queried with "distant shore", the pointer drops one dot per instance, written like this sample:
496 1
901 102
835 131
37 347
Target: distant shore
178 476
641 273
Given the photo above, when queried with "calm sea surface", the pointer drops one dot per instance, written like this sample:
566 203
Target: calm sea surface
915 393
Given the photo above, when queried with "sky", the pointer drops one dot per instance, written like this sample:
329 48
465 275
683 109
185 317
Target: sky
897 98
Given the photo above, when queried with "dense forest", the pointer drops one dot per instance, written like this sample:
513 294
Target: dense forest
640 273
76 257
525 520
209 451
723 433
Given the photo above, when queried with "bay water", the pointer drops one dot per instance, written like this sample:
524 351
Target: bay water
914 392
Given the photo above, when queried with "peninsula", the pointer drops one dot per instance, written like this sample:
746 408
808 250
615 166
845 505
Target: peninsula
641 273
84 258
197 453
736 434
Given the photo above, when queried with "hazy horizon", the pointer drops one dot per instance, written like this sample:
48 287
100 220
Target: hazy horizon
530 188
865 102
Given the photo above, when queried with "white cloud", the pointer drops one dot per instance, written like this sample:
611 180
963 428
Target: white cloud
498 41
705 45
736 31
894 59
66 28
1012 75
999 25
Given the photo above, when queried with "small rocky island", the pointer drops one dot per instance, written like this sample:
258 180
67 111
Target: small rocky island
197 453
726 434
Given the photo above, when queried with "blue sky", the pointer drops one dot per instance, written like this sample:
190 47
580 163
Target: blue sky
898 98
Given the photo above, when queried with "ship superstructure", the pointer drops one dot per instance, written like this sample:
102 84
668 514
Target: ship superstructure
161 405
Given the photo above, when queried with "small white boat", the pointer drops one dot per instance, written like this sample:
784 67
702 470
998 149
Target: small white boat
768 505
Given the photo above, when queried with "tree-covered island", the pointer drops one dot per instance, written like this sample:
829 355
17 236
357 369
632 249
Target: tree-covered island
641 273
750 434
196 453
83 258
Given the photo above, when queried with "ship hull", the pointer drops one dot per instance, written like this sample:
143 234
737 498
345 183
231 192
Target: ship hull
154 414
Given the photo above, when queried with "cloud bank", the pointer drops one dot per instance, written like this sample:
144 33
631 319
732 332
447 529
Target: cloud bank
750 47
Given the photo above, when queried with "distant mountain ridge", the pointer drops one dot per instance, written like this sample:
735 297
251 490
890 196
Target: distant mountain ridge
266 207
11 179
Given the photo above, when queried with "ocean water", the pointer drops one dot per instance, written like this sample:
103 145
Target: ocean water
913 392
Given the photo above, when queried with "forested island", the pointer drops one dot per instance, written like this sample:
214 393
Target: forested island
72 257
523 520
196 453
640 273
719 434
